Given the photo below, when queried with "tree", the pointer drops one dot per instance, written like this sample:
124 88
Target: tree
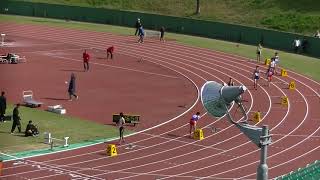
198 7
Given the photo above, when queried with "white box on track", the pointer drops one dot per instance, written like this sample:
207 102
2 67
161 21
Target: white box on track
57 109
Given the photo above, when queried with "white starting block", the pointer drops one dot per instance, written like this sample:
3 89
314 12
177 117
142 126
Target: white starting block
57 109
2 39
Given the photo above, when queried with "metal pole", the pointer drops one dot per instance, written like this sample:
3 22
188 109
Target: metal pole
2 39
262 171
51 145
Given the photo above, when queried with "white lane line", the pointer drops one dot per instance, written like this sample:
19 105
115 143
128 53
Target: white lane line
184 142
42 166
297 135
117 67
53 50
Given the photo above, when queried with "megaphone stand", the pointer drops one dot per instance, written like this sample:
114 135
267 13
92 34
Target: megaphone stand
217 98
259 136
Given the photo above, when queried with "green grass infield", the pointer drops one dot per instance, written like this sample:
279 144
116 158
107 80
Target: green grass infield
80 131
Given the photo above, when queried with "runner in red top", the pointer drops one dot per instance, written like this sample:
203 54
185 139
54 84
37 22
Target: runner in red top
86 58
110 52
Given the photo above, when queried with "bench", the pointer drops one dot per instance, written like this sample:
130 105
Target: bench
28 99
129 118
12 59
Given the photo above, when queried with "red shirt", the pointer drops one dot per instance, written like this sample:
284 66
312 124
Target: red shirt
110 49
86 57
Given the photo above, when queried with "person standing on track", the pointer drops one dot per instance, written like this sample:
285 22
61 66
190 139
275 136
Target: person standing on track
16 119
110 52
120 125
162 34
86 58
193 123
269 75
256 76
230 83
141 35
72 87
277 61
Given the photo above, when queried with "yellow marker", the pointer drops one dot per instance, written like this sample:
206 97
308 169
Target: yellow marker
112 150
284 73
267 62
198 134
257 117
284 100
292 85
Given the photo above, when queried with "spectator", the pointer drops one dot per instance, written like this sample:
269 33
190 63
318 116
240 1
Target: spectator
72 87
317 35
16 119
259 51
3 106
304 45
296 45
138 25
31 130
162 34
86 58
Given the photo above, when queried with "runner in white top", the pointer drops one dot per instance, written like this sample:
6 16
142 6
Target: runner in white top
277 61
256 77
120 125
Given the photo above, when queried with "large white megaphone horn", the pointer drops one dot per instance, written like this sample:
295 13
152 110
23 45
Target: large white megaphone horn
217 98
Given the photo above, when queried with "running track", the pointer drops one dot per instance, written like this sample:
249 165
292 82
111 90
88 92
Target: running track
165 151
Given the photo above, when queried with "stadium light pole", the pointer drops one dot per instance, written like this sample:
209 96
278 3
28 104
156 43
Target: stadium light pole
217 99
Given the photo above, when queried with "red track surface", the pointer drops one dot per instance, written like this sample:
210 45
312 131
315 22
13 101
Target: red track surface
163 151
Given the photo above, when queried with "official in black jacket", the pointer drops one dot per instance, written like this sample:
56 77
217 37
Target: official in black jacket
72 87
138 25
16 119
